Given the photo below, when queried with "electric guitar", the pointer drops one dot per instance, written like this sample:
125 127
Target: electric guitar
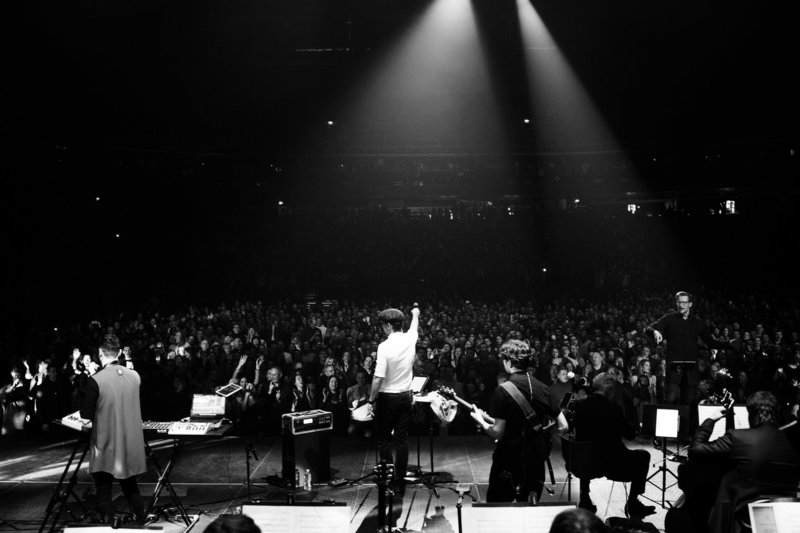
448 393
548 430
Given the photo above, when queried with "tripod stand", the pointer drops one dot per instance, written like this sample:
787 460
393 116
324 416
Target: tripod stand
663 470
249 449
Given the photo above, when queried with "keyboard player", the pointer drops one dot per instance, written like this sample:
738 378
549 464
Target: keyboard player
117 449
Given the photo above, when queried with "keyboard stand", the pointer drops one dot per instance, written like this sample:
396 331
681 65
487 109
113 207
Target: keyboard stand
59 502
163 478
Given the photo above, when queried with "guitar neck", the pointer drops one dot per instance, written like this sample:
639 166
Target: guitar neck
468 405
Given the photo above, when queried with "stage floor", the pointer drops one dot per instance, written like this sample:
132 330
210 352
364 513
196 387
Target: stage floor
210 478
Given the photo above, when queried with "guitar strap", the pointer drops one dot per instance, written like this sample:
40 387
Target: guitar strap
527 410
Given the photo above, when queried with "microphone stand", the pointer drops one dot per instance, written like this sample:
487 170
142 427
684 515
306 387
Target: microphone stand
248 449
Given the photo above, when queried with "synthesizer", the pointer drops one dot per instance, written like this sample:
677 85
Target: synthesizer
189 428
74 421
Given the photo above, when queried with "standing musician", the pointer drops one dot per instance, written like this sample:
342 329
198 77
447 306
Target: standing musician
518 461
111 402
391 395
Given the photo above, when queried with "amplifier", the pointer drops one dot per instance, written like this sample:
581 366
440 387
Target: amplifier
307 422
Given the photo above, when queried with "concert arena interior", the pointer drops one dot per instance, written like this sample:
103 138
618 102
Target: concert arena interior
236 190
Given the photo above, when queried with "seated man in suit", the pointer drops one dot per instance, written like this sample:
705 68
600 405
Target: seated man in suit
763 459
600 420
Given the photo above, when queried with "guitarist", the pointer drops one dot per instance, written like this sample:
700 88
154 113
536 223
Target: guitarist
518 461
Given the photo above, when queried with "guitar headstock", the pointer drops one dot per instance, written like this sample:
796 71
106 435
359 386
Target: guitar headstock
447 392
727 399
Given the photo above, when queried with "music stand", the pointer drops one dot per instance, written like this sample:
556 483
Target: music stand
667 425
429 479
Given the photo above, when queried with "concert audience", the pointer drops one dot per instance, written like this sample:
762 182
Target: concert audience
198 351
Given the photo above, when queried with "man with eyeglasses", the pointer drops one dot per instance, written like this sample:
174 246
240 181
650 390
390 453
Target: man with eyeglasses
681 330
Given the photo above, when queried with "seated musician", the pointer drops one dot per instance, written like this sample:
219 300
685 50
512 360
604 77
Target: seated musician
764 462
600 420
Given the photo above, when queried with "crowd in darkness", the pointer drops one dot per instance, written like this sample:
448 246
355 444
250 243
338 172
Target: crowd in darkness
302 355
580 286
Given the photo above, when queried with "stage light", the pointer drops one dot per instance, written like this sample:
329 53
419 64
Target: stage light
97 199
280 203
526 121
117 235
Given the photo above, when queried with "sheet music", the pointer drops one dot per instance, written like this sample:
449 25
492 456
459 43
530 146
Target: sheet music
299 518
667 423
523 519
775 517
709 411
740 419
109 529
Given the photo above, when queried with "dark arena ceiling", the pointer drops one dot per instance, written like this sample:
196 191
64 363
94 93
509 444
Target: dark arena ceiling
265 77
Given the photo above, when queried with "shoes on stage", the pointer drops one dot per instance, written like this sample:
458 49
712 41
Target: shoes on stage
587 503
636 509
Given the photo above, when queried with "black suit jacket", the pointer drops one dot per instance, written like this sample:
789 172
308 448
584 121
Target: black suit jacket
764 461
602 422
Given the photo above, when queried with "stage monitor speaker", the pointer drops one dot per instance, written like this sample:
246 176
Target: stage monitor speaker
310 451
517 517
649 419
333 517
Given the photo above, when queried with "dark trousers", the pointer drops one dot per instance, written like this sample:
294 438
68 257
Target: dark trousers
102 482
508 484
632 465
392 416
680 386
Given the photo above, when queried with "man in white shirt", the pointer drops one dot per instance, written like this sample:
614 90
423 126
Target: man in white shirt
391 393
